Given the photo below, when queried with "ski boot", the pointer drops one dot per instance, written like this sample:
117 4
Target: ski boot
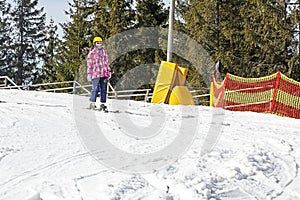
92 106
103 108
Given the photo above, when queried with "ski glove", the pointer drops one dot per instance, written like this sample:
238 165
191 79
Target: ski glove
89 77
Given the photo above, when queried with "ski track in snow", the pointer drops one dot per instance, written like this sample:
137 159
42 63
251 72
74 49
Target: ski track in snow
42 156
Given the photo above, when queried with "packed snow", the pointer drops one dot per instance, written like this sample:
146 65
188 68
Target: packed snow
160 151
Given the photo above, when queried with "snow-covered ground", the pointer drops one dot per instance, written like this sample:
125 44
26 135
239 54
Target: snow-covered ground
48 150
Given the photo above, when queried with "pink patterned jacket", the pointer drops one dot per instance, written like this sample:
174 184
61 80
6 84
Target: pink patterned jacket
97 63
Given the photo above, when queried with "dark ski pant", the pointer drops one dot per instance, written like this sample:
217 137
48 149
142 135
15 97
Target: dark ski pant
99 84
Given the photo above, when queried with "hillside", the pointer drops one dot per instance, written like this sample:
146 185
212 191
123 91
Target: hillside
52 148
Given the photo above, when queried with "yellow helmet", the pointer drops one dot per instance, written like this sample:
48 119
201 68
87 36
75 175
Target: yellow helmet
97 39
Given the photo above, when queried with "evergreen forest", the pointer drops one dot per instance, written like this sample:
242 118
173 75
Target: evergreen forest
249 38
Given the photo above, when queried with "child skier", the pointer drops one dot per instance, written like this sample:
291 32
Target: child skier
99 72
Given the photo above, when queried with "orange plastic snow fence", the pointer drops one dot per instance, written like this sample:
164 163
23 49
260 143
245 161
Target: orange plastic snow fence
276 94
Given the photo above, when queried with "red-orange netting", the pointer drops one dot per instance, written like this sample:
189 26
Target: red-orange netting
276 94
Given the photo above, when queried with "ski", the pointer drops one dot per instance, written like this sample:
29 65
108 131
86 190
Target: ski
104 111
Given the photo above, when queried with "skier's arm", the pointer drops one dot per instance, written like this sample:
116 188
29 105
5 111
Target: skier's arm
89 64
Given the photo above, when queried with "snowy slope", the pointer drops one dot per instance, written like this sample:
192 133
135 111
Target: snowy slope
48 150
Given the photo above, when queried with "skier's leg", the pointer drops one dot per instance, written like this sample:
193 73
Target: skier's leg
103 92
103 88
94 91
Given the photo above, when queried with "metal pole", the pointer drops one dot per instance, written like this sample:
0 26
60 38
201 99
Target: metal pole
170 32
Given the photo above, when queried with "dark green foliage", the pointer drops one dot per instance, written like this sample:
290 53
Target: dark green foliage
151 13
50 72
72 51
5 40
251 38
28 41
135 68
121 18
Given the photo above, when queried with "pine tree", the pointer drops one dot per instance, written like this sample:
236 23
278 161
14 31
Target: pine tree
5 39
294 62
100 22
251 38
73 50
264 39
120 17
49 60
150 13
29 40
189 21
